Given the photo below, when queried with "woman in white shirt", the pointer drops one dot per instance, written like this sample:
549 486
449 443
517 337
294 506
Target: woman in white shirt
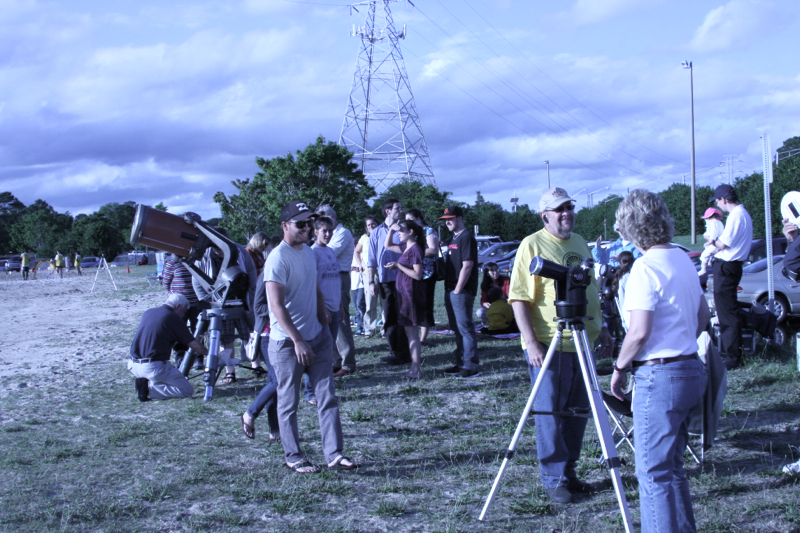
665 311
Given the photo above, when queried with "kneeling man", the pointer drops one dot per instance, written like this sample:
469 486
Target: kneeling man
159 330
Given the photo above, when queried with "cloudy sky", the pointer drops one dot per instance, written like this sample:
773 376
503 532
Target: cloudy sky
170 101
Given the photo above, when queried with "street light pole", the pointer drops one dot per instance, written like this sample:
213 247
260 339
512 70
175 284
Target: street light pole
548 173
688 65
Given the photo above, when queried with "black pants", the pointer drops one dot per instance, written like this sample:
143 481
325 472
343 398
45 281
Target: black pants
727 275
396 335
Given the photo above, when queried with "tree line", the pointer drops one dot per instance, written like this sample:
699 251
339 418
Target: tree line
325 173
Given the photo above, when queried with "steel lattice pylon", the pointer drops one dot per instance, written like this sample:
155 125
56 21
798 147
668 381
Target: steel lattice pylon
381 125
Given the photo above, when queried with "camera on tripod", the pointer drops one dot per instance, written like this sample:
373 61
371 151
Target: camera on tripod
607 275
571 283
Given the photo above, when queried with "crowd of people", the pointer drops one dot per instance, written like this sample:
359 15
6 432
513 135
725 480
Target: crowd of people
299 302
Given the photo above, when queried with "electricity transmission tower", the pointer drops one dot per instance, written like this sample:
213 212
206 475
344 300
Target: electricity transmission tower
381 125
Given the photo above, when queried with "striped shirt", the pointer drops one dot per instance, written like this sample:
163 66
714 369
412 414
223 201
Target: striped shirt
177 279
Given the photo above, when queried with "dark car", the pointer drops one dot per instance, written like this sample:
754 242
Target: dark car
758 249
498 252
90 262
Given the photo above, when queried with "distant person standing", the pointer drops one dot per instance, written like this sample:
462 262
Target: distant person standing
58 260
177 279
341 244
25 264
78 264
733 247
428 272
361 256
460 289
382 282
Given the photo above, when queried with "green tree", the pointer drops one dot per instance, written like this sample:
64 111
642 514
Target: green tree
248 212
597 221
520 223
427 198
161 206
10 211
40 229
488 216
323 173
678 198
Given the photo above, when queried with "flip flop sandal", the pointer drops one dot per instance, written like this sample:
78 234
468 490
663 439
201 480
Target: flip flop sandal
304 466
248 429
230 377
342 463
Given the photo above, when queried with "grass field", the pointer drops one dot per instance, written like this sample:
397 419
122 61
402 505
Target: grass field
82 454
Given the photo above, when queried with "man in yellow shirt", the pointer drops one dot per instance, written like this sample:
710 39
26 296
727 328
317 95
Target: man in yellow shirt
25 264
558 439
59 263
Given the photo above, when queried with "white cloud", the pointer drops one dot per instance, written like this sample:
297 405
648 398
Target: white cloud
733 26
592 11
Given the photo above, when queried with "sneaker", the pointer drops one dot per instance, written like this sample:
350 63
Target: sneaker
342 372
453 370
793 468
467 373
559 494
142 389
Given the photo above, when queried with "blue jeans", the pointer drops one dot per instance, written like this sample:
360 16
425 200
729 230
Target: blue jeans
559 439
268 396
662 399
360 306
459 314
333 327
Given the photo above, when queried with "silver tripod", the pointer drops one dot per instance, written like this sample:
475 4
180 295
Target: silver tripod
589 372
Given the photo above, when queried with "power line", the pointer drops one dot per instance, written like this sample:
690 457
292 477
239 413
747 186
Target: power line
564 90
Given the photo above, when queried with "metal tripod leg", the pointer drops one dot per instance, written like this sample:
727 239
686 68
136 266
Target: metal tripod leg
212 359
600 419
523 420
188 360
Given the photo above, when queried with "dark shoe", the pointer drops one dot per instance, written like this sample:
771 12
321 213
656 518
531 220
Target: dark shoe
559 494
466 373
142 389
576 486
259 371
342 372
453 370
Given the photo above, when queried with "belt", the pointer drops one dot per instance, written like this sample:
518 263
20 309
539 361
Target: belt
665 360
148 360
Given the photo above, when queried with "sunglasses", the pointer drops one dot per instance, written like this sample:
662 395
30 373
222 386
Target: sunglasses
562 208
302 223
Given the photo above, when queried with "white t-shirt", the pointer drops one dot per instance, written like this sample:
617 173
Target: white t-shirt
738 235
714 229
297 271
664 281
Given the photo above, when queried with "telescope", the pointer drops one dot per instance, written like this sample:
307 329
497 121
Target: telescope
190 238
571 283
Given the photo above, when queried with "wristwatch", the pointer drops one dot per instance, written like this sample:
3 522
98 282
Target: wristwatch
621 370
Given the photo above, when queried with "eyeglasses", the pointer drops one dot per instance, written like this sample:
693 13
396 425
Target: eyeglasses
562 208
402 230
301 223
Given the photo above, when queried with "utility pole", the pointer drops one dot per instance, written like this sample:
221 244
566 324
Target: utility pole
688 65
381 124
548 173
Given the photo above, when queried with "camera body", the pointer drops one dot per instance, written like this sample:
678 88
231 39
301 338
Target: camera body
570 283
607 275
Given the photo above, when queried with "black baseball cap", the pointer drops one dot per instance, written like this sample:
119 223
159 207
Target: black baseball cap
721 192
297 211
451 211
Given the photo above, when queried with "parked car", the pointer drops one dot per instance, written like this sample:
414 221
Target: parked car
14 264
753 288
498 252
485 241
90 262
758 249
3 265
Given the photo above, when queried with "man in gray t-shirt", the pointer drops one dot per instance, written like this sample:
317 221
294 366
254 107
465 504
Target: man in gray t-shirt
298 341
